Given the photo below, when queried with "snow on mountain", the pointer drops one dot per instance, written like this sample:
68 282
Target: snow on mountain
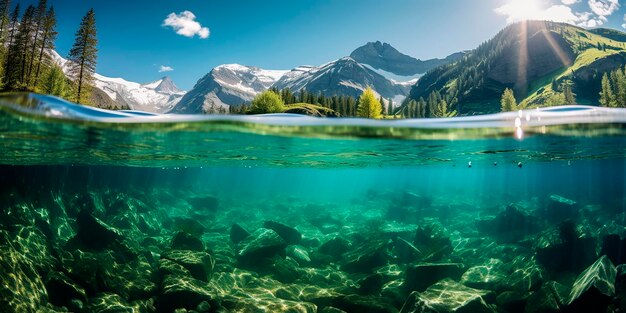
342 77
159 96
226 85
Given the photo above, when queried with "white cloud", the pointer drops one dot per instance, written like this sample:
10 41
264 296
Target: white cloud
185 24
519 10
603 8
164 68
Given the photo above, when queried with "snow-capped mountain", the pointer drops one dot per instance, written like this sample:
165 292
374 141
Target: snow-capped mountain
226 85
390 73
342 77
159 96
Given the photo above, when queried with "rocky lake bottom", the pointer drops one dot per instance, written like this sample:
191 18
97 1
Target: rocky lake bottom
70 245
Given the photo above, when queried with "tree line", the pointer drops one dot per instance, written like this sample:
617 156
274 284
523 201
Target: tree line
27 43
277 101
435 106
346 106
613 92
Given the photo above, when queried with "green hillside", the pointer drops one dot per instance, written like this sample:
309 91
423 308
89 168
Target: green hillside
532 58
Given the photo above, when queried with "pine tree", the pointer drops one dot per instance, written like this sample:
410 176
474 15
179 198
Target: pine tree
49 35
607 99
508 102
55 83
570 97
18 52
38 21
4 19
369 107
83 56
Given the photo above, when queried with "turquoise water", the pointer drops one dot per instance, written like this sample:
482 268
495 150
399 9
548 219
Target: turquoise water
128 212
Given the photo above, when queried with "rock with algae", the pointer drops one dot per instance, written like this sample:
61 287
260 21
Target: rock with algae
447 296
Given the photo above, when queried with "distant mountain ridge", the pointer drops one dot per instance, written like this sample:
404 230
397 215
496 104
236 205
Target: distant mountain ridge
385 57
532 58
157 97
234 84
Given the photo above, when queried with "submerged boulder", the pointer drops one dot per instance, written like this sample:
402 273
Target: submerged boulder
421 276
447 296
565 248
335 247
199 264
366 257
262 244
291 235
238 233
510 225
550 298
489 276
594 288
182 292
559 209
94 233
22 288
186 241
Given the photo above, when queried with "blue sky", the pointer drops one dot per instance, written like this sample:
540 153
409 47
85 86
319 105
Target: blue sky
282 34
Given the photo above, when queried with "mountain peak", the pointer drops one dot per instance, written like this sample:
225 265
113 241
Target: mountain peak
164 85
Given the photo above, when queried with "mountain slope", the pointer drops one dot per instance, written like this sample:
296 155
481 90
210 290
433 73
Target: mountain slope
226 85
342 77
156 97
526 57
382 56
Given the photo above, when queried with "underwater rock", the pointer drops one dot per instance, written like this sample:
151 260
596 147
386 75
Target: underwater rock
550 298
110 302
22 288
366 256
134 280
298 253
262 244
94 233
447 296
363 304
527 274
330 309
510 225
238 233
169 267
431 240
291 235
421 276
258 304
512 301
614 248
594 288
199 264
286 271
565 248
208 205
182 292
185 241
188 225
559 209
488 276
62 290
335 247
371 284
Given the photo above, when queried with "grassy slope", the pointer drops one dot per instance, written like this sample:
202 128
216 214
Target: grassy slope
542 89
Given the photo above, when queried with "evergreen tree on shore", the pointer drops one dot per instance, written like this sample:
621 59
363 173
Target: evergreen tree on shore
508 102
607 99
48 36
38 21
369 106
83 57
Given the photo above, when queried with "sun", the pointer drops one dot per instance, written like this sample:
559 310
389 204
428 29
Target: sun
520 10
